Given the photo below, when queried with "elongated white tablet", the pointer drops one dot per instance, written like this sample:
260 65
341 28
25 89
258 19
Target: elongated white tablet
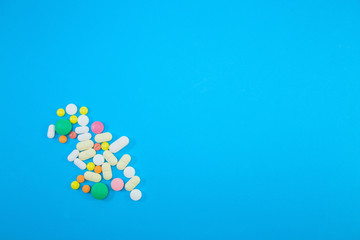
110 158
135 194
119 144
132 183
81 146
80 163
98 159
123 162
71 109
87 154
103 137
73 155
83 129
84 137
91 176
106 170
83 120
129 172
51 131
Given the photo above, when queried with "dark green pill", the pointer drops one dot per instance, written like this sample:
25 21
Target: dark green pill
99 191
63 126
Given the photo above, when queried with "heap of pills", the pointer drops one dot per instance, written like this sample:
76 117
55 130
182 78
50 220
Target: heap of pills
99 166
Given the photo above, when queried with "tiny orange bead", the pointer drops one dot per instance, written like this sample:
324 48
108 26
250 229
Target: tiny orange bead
98 169
97 146
72 135
63 139
86 188
80 179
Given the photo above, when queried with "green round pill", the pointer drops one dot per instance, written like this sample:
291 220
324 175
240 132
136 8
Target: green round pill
99 191
63 126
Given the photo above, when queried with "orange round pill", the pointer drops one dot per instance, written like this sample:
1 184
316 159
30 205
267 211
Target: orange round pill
63 139
97 146
98 169
80 179
86 188
72 135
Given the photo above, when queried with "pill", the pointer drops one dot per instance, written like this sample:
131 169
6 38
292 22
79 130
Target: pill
83 129
110 158
83 120
81 146
71 109
84 137
123 162
103 137
135 194
80 164
73 119
74 154
97 127
87 154
72 135
63 139
117 184
99 191
129 172
86 188
106 170
93 177
90 166
119 144
75 185
98 159
97 146
80 178
132 183
98 169
105 146
60 112
83 110
63 126
51 131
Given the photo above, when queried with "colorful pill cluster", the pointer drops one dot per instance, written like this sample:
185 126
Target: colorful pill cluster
98 166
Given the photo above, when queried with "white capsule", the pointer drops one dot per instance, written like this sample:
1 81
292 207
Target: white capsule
123 162
83 129
83 120
132 183
51 131
106 170
98 159
73 155
81 146
87 154
119 144
71 109
135 194
84 137
103 137
129 172
110 158
80 163
91 176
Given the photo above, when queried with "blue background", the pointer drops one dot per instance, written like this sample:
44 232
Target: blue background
243 117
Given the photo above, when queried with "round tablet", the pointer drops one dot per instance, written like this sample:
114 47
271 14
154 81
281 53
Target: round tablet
63 126
135 194
117 184
99 191
71 109
129 172
75 185
97 146
83 120
63 139
90 166
80 178
83 110
98 169
98 159
72 135
86 188
105 146
60 112
73 119
97 127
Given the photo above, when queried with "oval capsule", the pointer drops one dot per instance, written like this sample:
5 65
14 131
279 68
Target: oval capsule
87 154
123 162
84 137
83 129
73 155
81 146
119 144
110 158
103 137
106 169
93 177
51 131
132 183
80 164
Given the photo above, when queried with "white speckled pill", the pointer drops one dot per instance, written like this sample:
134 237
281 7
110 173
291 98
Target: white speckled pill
110 158
83 129
129 172
91 176
51 131
83 120
73 155
87 154
80 163
135 194
132 183
71 109
123 162
84 137
98 159
103 137
81 146
106 170
119 144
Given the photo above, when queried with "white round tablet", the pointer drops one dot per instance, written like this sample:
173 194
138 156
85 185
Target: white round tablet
71 109
129 172
135 194
98 159
83 120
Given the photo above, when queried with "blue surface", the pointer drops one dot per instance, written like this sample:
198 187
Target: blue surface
243 117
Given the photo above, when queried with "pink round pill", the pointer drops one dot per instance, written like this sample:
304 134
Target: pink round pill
97 127
117 184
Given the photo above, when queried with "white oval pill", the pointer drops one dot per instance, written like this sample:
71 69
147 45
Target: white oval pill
91 176
51 131
80 163
129 172
81 146
103 137
98 159
87 154
132 183
83 129
123 162
71 109
84 137
73 155
135 194
106 170
83 120
119 144
110 158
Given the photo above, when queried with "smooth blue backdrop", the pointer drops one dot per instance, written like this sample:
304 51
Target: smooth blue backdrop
243 117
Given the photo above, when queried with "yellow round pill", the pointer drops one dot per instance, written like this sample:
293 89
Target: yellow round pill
75 185
73 119
104 146
83 110
60 112
90 166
